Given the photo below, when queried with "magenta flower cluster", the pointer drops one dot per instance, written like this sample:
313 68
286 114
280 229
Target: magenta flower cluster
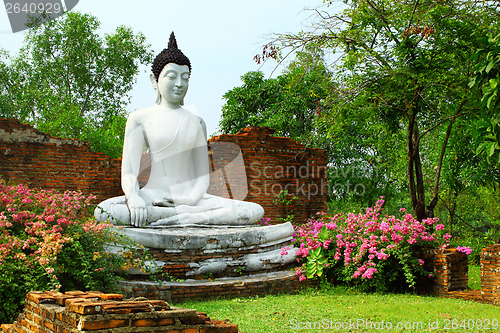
362 242
34 225
464 249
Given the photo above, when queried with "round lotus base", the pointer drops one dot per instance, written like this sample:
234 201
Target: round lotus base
208 252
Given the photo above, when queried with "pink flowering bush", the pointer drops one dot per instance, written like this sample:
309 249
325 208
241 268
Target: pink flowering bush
371 251
464 249
50 241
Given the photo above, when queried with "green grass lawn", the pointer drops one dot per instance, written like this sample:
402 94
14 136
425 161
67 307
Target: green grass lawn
345 310
474 277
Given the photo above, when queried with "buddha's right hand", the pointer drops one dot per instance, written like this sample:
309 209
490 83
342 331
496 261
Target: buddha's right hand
138 211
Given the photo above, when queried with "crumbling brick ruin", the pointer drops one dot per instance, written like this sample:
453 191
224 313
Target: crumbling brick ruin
271 164
76 311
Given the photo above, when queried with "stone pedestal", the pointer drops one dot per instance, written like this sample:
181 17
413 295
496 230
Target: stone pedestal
219 261
211 252
281 282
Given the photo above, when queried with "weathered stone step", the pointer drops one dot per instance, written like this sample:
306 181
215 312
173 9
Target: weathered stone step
243 286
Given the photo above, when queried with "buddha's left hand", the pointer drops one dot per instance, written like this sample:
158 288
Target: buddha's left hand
179 200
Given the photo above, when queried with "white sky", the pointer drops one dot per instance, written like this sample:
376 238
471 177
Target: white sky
220 37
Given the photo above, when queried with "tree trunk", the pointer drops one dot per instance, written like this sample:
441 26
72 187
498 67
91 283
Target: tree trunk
433 203
420 211
415 175
452 210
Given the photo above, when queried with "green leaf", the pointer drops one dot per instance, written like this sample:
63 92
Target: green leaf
493 83
323 235
491 99
490 65
492 149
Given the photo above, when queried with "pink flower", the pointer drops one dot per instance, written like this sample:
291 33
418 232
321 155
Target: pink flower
412 241
49 218
362 239
384 226
368 274
302 278
284 251
396 238
302 251
382 256
466 250
439 226
356 274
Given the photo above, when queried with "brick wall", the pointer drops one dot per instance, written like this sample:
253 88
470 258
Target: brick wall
274 164
490 273
450 271
32 157
76 311
271 163
450 275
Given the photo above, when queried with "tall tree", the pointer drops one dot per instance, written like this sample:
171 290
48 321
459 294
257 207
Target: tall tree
406 66
487 81
69 81
289 103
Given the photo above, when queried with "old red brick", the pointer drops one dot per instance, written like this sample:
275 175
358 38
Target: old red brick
186 330
118 297
102 324
220 327
40 297
152 322
192 320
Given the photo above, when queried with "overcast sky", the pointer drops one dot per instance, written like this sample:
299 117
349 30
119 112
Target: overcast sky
220 37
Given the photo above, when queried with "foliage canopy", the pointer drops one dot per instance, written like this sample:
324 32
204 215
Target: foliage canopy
398 102
69 81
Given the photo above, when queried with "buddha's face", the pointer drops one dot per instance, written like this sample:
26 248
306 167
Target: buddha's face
173 83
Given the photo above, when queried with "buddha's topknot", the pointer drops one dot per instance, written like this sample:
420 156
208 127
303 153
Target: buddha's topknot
168 55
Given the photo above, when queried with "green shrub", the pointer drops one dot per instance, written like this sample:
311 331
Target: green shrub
369 251
50 241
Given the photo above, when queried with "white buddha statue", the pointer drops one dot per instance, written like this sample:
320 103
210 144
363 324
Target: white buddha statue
176 192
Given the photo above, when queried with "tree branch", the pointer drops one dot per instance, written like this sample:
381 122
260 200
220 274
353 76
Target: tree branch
455 116
434 200
461 219
387 25
325 16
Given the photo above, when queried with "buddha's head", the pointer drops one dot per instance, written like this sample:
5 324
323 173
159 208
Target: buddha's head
167 61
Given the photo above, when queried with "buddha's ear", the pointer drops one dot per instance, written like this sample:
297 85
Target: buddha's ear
154 83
